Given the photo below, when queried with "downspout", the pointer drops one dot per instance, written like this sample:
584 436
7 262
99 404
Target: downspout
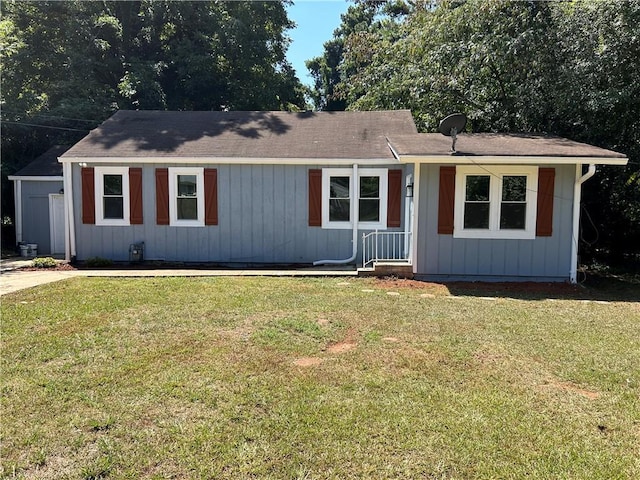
577 193
408 212
69 223
415 204
354 218
17 196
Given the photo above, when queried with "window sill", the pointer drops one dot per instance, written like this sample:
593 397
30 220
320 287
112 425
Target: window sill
112 223
187 223
495 235
349 226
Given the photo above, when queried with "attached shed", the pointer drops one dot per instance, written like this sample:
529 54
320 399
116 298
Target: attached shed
39 203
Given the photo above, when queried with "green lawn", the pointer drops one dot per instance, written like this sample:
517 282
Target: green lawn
290 378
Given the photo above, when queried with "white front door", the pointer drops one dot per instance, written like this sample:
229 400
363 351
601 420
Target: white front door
56 222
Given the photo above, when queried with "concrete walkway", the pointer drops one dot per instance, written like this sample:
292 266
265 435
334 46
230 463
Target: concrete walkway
13 279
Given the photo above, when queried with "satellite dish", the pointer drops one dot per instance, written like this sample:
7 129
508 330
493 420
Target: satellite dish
451 125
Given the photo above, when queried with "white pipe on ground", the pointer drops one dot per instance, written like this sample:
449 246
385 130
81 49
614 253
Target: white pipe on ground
354 212
577 194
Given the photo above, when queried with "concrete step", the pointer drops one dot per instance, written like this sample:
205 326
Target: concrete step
388 269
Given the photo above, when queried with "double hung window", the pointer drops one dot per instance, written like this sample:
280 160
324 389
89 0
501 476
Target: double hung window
112 195
495 202
186 196
343 196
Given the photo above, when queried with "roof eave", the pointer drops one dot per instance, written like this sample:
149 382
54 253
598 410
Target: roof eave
228 160
36 178
510 160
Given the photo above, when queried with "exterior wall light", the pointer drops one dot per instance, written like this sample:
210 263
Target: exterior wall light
409 188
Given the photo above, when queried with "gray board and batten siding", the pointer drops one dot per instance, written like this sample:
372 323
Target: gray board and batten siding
35 212
262 162
263 218
443 257
37 181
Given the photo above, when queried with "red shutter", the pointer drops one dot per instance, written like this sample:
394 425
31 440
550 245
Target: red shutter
394 198
162 196
315 198
88 196
210 196
135 196
546 183
446 200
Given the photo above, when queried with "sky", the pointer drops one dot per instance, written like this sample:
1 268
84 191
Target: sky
316 20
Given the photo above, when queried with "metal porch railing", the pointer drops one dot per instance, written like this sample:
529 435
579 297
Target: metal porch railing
386 247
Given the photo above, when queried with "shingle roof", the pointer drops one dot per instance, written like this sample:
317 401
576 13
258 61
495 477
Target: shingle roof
496 144
309 135
46 165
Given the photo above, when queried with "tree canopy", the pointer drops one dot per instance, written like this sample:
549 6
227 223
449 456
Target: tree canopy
68 65
565 68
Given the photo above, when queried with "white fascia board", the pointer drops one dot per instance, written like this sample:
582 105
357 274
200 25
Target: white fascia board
510 160
230 160
36 178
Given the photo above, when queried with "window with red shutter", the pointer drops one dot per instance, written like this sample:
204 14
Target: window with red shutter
446 200
315 198
394 198
210 196
546 185
88 196
162 196
135 196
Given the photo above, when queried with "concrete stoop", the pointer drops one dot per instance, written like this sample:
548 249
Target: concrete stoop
400 270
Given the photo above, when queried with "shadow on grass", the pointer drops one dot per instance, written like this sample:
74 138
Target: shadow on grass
608 288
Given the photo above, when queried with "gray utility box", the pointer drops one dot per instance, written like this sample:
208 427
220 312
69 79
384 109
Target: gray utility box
136 252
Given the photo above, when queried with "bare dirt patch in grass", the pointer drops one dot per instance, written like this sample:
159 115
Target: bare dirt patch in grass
349 343
341 347
493 289
390 283
530 371
308 361
570 387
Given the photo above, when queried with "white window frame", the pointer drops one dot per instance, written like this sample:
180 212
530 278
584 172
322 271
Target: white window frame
99 173
354 196
173 196
496 174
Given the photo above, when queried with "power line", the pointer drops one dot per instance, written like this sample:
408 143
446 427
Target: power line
57 117
44 126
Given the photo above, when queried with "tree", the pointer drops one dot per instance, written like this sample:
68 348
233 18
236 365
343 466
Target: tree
366 18
565 68
68 65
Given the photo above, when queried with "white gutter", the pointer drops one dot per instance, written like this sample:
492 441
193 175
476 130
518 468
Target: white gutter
509 160
36 178
577 193
354 219
69 224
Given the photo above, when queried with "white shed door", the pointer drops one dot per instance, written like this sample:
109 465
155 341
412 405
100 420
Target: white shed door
56 222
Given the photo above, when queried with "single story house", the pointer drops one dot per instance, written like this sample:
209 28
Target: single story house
39 203
365 188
